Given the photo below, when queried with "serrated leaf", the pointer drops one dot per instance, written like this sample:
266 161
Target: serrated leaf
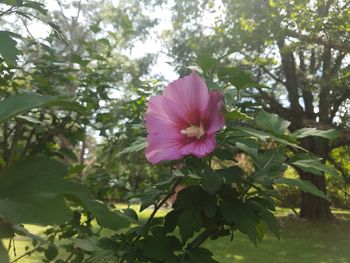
303 185
189 222
8 49
271 122
211 183
88 244
206 62
236 115
328 134
309 163
242 216
268 217
105 217
131 214
138 145
240 79
159 247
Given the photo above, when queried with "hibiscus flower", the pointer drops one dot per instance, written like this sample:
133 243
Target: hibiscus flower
183 120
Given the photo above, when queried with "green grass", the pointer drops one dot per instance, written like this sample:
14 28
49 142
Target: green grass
301 242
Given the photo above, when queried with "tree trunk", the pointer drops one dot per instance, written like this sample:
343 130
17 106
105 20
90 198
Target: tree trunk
313 207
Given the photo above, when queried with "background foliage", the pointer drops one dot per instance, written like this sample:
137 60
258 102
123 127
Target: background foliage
72 131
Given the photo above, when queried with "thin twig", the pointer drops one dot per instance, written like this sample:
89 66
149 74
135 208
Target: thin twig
161 203
26 254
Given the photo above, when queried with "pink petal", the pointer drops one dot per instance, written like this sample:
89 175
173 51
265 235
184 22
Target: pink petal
154 105
156 119
190 94
200 148
164 146
214 118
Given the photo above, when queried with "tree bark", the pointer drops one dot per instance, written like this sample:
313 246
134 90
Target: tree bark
313 207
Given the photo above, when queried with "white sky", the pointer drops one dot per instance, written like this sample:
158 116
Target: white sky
153 45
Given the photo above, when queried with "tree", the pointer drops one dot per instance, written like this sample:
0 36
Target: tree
298 48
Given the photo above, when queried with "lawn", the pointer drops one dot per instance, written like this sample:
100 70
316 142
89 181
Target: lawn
301 242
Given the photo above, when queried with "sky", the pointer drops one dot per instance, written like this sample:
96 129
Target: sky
153 44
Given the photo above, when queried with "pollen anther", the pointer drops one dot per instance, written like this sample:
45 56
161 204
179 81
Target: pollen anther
194 131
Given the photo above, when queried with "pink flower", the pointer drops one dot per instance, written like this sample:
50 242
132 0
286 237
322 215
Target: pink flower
183 120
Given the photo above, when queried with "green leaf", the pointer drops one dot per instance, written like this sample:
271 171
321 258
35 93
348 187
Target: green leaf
309 163
271 122
328 134
283 139
191 203
4 258
10 2
35 208
201 255
89 244
50 253
242 216
236 115
159 247
235 76
268 217
150 197
28 193
18 104
34 191
206 62
8 49
138 145
69 105
211 182
37 6
303 185
105 217
130 213
189 222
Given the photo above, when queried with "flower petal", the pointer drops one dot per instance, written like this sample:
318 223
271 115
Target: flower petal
214 118
164 146
190 94
156 118
200 148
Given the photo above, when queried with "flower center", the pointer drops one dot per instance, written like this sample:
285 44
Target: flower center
194 131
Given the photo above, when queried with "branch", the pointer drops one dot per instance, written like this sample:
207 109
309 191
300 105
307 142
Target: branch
4 142
337 63
325 88
16 137
337 102
27 145
161 203
340 45
289 68
306 93
27 253
275 106
272 75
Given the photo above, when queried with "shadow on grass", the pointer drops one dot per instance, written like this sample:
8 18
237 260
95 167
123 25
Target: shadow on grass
301 242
